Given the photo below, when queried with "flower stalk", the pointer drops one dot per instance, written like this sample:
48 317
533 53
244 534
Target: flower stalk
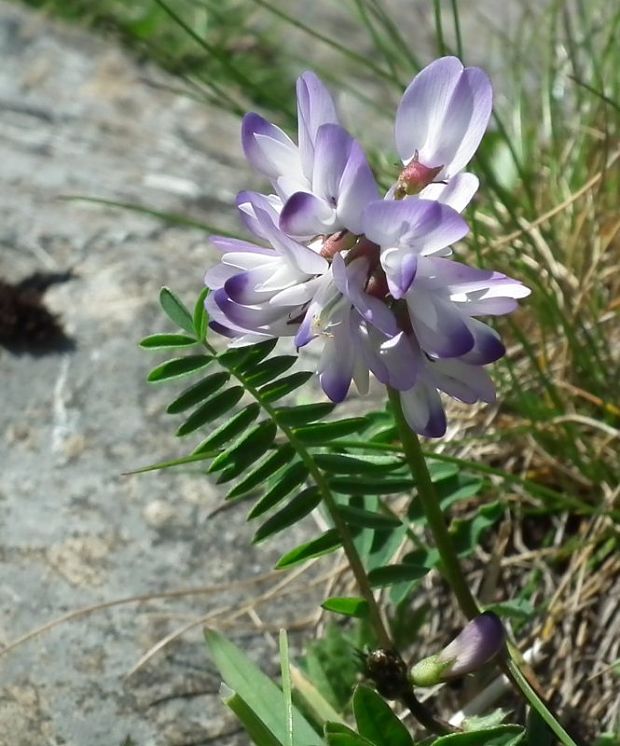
453 572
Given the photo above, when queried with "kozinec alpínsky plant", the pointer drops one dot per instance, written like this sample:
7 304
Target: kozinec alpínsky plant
371 282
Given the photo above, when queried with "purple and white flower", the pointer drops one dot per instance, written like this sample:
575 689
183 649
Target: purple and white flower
324 182
369 279
440 121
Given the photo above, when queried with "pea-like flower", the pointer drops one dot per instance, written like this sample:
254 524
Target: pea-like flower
369 280
479 642
324 182
440 121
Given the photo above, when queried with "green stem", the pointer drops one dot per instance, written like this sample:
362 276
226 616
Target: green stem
451 566
428 498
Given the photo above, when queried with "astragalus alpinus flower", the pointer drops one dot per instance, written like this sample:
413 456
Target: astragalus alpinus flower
370 278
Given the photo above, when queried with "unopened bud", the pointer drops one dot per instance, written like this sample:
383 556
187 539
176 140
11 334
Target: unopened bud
480 641
414 177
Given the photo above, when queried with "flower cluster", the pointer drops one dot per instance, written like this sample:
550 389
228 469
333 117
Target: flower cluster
367 276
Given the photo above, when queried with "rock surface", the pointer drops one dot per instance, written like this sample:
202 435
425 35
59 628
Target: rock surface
78 116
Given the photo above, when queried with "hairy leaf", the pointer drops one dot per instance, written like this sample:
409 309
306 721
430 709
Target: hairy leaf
287 482
178 367
297 508
198 392
213 408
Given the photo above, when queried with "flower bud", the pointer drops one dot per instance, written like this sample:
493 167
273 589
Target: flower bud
479 642
414 177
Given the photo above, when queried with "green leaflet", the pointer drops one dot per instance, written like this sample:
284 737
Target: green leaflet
198 392
324 544
368 518
303 414
178 367
376 721
284 386
355 607
337 463
321 432
389 574
213 408
175 310
337 734
368 486
266 468
201 318
287 482
297 508
241 359
164 341
230 429
250 447
269 369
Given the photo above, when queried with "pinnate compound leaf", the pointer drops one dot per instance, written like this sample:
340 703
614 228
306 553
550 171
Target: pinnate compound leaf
230 429
368 518
201 317
213 408
284 386
368 486
303 414
347 606
257 690
294 511
175 310
338 463
376 721
325 543
269 369
164 341
501 735
249 448
389 574
321 432
337 734
178 367
198 392
283 455
286 483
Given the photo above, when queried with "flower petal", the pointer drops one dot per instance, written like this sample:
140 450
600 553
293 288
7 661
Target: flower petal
268 149
423 410
305 214
457 192
315 107
357 189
